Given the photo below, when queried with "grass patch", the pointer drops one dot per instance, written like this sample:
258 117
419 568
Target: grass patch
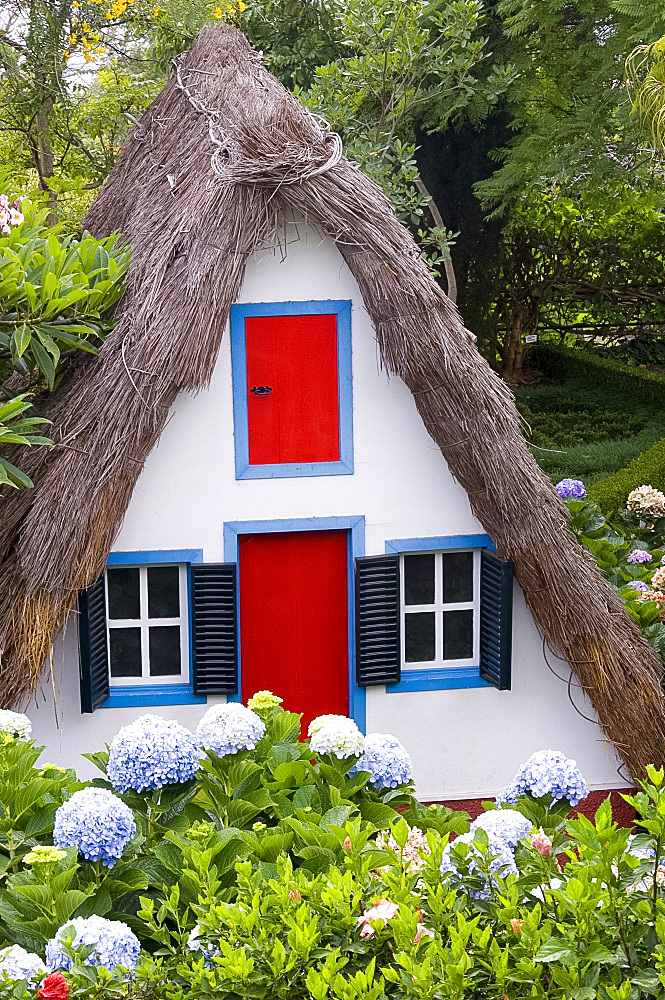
585 433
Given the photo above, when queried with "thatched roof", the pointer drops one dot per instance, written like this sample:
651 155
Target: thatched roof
192 225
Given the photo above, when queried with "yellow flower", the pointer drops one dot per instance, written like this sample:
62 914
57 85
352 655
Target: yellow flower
230 9
72 39
156 11
75 4
241 6
44 856
218 13
86 26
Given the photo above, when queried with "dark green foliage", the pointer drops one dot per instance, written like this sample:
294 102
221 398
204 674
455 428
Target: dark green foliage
610 468
561 363
579 431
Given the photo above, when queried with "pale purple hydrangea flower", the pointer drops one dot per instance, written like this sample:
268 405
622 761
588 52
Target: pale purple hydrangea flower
639 556
571 489
547 772
96 822
115 944
17 963
639 585
150 753
503 825
502 863
386 760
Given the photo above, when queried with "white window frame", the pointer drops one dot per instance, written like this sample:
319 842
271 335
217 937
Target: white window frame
145 624
438 608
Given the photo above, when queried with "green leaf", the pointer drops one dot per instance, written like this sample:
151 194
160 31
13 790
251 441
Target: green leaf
555 950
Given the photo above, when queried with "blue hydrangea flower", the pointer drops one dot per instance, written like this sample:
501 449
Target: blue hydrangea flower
96 822
571 489
226 729
115 944
194 943
335 734
507 826
639 556
502 862
151 752
547 772
386 760
639 585
17 963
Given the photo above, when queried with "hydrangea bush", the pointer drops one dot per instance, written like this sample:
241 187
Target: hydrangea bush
17 963
97 823
547 773
15 724
283 850
386 761
230 728
113 944
335 734
626 549
152 752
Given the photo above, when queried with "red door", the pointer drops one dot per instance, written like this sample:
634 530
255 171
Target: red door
292 389
294 619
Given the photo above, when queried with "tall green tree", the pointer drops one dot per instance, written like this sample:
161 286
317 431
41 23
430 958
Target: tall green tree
574 142
71 84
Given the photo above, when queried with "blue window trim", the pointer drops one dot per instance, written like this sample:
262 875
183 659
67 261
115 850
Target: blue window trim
438 678
355 525
157 694
439 543
288 470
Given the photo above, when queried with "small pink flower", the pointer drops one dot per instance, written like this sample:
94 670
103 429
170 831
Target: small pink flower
542 843
295 895
384 910
347 844
422 931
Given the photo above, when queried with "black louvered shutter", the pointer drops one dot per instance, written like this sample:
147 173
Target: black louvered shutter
378 657
94 663
215 628
496 620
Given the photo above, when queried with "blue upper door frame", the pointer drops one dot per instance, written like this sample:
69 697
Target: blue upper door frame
239 313
355 526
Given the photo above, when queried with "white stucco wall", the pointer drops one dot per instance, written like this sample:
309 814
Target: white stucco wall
464 743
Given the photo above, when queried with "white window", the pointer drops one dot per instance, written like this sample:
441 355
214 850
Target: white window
148 625
440 608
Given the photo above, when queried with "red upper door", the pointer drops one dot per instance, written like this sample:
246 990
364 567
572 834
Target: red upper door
292 389
294 619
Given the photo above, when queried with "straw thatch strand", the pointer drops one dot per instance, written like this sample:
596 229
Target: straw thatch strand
221 155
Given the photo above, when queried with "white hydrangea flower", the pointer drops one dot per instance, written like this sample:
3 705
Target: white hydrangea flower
15 724
227 729
646 502
335 734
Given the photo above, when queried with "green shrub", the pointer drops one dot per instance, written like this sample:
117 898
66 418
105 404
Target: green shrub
564 363
578 914
649 467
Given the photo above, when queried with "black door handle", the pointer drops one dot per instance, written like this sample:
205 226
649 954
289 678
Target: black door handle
261 390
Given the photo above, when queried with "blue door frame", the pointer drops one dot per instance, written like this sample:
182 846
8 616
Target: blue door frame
355 526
